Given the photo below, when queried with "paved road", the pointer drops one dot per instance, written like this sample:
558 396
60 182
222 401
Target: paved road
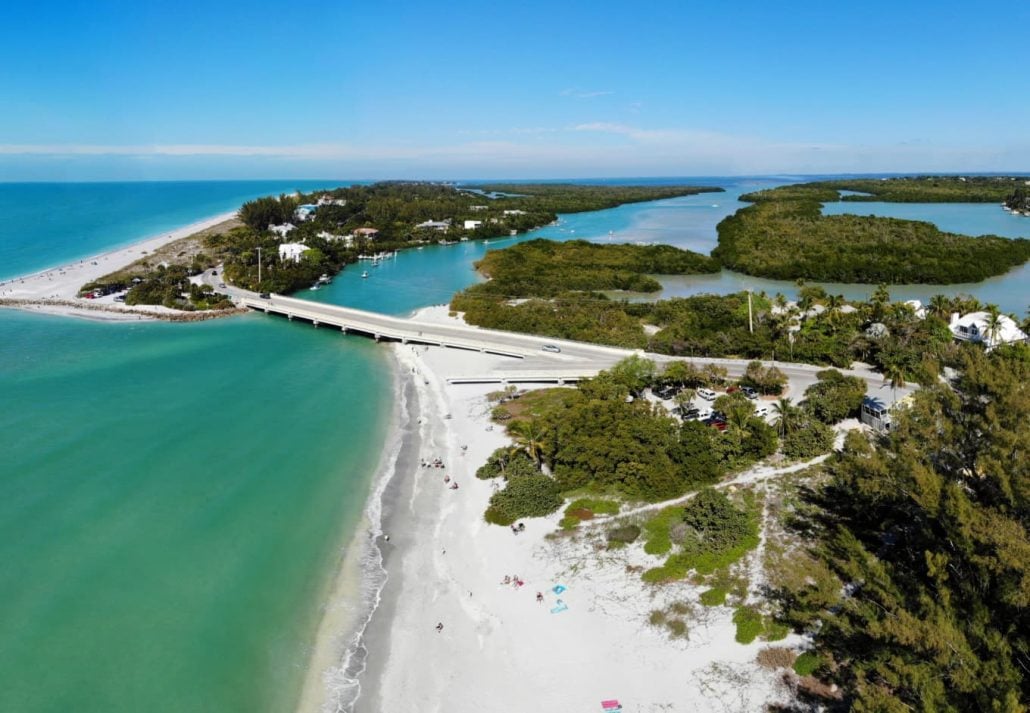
574 360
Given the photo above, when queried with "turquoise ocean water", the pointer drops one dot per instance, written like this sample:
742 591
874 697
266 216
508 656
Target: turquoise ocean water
174 498
46 224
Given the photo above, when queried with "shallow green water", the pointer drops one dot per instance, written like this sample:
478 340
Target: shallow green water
173 500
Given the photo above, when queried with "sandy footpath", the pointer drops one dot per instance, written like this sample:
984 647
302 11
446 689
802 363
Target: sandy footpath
499 648
55 290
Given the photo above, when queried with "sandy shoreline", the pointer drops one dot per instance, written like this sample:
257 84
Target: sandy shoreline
55 290
499 648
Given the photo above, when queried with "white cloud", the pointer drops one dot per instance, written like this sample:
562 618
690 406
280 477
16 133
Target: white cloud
582 94
599 148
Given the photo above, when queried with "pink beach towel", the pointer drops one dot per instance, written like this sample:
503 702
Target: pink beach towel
612 705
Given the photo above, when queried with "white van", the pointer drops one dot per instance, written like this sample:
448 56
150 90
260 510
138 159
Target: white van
706 394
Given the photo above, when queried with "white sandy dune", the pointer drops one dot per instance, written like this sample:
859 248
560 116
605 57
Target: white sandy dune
500 649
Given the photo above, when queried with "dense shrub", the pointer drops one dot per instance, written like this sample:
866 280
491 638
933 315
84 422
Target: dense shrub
811 439
528 496
507 463
749 623
835 397
807 663
766 380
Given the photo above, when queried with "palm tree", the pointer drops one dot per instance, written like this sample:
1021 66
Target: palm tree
833 305
939 306
894 374
529 437
994 325
788 416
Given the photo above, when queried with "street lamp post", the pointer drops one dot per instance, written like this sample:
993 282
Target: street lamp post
259 269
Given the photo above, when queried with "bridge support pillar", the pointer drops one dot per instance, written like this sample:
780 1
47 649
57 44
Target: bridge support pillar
561 382
377 337
314 323
289 317
404 340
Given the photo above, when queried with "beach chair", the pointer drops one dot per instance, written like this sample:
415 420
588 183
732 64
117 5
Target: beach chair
562 606
612 706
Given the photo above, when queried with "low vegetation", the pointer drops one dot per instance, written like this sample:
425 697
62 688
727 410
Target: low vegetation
821 328
709 533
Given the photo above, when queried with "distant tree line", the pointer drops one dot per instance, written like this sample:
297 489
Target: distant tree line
785 236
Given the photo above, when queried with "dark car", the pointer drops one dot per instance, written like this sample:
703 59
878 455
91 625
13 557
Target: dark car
715 423
690 414
749 392
265 296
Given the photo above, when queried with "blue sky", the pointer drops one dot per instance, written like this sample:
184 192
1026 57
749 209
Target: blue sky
94 90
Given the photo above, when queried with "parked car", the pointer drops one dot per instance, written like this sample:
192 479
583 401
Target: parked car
552 348
706 394
221 285
715 423
265 296
749 392
690 414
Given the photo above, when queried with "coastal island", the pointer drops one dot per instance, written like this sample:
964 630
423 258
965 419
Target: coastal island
785 236
762 510
286 243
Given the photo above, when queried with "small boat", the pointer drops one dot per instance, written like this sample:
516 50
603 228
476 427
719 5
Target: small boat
313 287
324 279
364 274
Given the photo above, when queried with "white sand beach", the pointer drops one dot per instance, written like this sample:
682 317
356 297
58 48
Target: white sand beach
55 290
501 649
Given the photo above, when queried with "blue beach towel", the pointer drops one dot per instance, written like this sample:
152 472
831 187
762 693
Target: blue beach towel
558 589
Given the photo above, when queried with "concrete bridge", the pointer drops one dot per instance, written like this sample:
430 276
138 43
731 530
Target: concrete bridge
572 361
526 359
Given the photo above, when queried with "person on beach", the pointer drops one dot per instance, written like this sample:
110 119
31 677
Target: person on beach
447 479
439 627
539 597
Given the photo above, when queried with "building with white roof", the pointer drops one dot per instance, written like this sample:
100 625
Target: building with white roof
281 230
978 327
292 251
440 225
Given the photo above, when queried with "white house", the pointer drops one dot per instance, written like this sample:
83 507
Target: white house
292 251
369 233
326 199
478 207
347 240
917 308
514 212
472 224
440 225
281 230
975 327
